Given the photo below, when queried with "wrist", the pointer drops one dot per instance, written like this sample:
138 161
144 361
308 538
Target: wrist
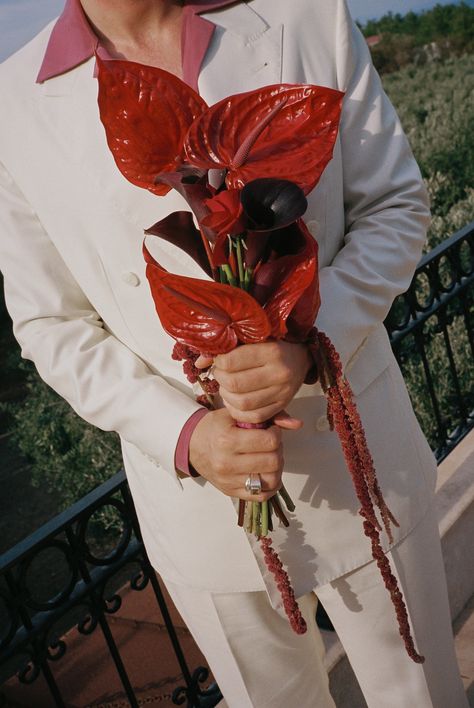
183 464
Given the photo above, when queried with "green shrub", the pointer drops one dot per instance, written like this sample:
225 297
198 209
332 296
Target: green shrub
67 454
436 106
393 52
453 23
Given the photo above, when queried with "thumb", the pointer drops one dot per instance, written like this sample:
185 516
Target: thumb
203 362
287 422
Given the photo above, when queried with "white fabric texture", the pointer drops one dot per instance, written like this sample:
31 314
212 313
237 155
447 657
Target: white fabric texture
363 615
260 663
256 659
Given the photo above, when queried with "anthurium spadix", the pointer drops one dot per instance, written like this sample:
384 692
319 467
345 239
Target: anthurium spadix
284 131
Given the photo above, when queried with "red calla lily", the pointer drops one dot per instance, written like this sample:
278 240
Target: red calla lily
282 131
298 281
146 113
207 316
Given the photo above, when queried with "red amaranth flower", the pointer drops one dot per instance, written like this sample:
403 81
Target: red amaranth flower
210 386
282 580
204 401
182 351
190 371
346 420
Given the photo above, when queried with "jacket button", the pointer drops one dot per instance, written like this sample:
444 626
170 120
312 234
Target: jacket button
131 279
313 227
322 424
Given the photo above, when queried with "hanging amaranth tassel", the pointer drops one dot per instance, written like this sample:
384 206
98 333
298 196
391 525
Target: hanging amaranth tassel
344 418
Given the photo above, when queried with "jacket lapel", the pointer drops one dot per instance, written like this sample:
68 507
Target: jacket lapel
249 57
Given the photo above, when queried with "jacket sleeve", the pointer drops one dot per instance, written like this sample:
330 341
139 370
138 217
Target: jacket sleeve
59 330
385 203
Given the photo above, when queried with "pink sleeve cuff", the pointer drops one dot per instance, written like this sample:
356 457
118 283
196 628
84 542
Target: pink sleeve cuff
181 455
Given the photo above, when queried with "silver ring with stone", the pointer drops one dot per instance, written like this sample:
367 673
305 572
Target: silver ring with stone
253 484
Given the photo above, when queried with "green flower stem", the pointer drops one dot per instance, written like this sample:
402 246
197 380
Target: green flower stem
248 517
229 275
248 278
279 511
264 529
286 498
255 516
240 264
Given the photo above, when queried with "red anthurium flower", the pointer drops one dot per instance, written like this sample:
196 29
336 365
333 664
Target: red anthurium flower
146 113
204 315
282 131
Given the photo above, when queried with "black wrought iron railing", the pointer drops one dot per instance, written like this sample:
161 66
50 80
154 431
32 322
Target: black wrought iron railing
34 615
431 328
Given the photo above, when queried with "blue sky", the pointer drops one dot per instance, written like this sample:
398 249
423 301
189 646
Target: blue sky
22 19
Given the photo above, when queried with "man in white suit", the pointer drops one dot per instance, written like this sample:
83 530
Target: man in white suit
70 248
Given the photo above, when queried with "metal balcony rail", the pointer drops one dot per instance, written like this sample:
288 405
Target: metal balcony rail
33 621
431 331
432 335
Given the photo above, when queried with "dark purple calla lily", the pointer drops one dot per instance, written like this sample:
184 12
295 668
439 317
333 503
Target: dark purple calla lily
272 203
192 184
178 228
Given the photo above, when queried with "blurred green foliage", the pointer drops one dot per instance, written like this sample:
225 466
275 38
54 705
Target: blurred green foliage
451 27
67 455
435 103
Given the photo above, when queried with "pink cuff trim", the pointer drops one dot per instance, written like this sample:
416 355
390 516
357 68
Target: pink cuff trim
181 455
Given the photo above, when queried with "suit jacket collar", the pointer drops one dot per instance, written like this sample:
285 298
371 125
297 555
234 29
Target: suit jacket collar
73 40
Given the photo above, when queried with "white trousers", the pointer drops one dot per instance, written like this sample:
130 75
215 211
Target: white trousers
259 662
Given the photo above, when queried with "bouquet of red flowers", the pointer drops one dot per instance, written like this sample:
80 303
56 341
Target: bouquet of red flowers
244 166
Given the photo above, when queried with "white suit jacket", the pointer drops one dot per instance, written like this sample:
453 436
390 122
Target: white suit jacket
71 230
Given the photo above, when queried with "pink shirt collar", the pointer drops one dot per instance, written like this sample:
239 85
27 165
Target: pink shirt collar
73 41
